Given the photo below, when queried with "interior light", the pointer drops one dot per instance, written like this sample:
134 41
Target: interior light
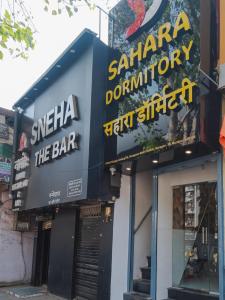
128 169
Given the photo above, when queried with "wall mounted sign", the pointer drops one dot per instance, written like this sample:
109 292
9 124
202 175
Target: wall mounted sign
4 131
65 164
58 117
21 175
54 197
23 226
74 187
23 142
5 169
144 12
153 79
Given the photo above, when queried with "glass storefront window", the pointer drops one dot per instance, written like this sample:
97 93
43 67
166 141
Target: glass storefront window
195 237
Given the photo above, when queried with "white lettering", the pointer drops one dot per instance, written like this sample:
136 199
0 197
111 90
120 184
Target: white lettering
56 118
63 147
57 149
59 114
71 109
49 122
41 129
34 134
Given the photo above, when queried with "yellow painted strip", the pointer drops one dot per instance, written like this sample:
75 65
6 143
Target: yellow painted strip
222 32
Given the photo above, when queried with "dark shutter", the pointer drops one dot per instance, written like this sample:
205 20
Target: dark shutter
87 270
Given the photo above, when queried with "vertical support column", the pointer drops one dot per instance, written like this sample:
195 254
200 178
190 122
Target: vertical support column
154 235
131 232
220 195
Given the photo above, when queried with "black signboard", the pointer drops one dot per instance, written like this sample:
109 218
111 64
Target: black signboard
65 164
155 90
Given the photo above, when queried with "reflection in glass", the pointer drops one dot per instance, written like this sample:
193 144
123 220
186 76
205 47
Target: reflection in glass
195 237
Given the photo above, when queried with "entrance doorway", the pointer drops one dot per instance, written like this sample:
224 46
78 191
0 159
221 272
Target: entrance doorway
142 233
41 254
187 237
46 251
140 249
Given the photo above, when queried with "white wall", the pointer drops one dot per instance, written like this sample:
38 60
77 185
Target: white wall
207 172
120 241
142 239
16 249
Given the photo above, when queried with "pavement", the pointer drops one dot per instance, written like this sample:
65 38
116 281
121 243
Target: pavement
26 292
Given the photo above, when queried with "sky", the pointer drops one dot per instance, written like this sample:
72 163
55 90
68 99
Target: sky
54 34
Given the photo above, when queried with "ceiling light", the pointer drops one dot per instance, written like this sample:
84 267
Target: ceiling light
155 161
188 152
128 169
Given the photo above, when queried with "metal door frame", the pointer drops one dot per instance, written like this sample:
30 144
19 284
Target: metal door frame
154 234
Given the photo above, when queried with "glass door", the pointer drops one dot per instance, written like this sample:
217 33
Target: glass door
187 228
195 237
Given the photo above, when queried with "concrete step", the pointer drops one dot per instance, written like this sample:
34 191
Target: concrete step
184 294
146 273
142 286
136 296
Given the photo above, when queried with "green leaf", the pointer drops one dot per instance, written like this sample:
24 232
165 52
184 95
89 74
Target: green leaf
7 15
1 54
3 45
69 11
54 12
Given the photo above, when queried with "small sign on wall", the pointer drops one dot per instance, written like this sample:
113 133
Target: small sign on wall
5 170
4 131
74 187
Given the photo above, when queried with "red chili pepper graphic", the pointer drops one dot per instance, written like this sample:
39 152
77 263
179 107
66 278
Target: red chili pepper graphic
138 7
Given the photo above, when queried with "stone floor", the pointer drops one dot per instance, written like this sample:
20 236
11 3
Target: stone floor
26 292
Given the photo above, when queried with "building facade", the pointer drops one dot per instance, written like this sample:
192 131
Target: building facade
59 174
15 247
118 161
168 145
